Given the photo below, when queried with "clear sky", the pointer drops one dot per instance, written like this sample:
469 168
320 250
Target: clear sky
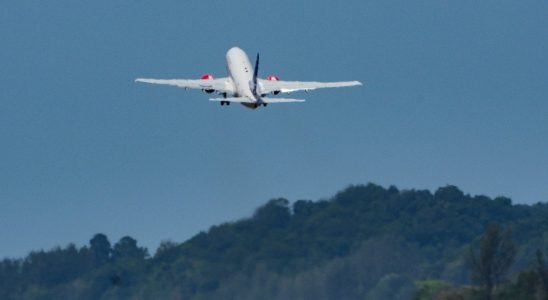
455 92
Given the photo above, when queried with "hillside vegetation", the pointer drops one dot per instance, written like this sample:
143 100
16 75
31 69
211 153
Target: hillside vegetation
366 242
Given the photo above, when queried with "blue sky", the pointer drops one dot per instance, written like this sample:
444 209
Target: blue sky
455 92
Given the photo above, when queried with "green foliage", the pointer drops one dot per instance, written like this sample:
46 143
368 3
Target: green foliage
491 262
393 286
100 250
127 248
366 242
431 289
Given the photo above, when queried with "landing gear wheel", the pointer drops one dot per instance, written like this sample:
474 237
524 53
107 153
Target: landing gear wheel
265 104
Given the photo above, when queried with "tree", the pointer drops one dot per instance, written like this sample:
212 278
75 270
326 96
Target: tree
100 249
126 247
449 193
490 263
542 271
275 213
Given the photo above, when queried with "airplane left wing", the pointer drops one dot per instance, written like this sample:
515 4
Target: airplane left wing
222 85
268 86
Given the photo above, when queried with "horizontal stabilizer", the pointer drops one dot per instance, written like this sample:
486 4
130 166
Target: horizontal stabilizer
234 99
263 100
281 100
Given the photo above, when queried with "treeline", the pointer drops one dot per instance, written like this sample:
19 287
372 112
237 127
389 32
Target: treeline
367 242
55 273
489 263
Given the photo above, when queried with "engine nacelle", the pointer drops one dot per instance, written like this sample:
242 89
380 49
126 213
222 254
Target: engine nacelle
273 78
207 77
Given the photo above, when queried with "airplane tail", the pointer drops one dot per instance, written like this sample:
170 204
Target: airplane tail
255 75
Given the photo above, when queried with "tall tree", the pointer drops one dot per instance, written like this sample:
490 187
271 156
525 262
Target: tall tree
490 263
100 249
542 271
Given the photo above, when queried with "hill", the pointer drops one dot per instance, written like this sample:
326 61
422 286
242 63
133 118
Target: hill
366 242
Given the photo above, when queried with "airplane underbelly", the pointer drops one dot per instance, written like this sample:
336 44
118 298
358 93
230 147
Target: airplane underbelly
250 105
243 90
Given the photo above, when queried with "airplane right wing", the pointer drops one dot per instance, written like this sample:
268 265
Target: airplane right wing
222 85
268 86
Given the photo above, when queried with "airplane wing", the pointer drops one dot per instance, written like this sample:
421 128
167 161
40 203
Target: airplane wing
268 86
222 85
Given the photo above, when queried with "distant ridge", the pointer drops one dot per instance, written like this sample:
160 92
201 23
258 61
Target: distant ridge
346 247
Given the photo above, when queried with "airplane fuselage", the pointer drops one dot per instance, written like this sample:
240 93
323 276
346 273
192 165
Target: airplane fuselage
240 71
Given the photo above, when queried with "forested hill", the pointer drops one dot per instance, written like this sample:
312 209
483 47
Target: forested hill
365 241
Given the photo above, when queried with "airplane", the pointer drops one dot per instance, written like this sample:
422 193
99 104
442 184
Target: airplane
243 85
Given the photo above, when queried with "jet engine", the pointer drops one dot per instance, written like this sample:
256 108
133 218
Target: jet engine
207 77
273 78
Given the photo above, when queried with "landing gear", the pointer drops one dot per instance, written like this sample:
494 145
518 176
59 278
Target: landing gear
265 104
224 102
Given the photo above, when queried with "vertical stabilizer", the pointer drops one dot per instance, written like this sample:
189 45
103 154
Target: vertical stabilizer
255 74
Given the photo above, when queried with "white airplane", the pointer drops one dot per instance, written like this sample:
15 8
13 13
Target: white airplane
243 86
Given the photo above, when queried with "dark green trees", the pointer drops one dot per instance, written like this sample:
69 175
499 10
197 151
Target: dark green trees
490 263
99 249
365 242
127 248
